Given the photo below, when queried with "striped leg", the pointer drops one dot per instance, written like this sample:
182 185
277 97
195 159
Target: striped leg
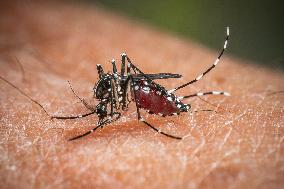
114 69
72 117
209 69
157 76
203 94
101 124
205 110
122 72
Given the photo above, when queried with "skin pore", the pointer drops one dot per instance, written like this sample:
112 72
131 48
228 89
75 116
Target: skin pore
238 146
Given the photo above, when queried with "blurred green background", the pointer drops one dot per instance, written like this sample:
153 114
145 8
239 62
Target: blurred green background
257 31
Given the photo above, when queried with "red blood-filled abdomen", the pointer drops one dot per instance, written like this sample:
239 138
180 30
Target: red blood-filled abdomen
150 99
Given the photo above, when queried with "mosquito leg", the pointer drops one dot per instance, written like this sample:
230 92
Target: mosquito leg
131 65
103 123
209 69
73 117
206 110
89 132
157 76
114 69
203 94
144 121
125 93
159 131
122 72
111 98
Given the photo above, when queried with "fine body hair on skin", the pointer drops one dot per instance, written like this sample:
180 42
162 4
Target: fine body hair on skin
238 145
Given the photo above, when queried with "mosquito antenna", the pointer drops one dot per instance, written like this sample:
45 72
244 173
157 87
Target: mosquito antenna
199 94
23 93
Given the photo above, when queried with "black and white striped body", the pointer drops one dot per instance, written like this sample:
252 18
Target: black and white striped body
115 91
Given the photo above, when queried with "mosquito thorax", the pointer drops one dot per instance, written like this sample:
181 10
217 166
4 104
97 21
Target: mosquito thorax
101 88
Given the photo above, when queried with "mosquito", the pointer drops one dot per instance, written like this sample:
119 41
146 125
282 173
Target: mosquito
116 90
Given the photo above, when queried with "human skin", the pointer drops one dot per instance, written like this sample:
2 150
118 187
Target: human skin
238 146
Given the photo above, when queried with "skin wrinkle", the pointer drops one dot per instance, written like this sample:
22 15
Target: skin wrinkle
199 147
226 138
278 150
240 146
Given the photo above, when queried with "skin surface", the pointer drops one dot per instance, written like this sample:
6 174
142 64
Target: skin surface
240 146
